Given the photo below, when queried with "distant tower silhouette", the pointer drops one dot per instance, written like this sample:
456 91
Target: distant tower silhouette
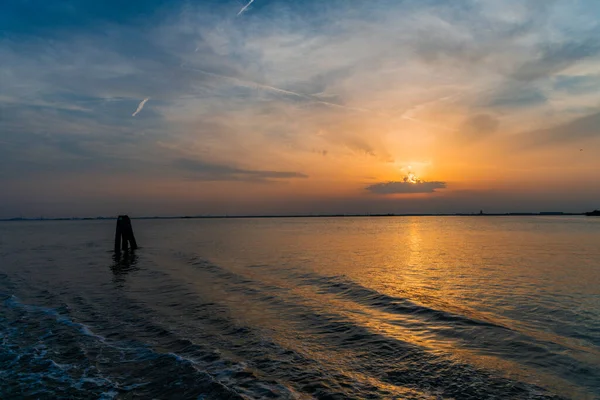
480 212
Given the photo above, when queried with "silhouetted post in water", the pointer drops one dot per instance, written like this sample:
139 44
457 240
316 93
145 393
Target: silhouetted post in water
124 234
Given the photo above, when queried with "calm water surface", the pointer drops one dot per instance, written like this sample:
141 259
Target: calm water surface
407 308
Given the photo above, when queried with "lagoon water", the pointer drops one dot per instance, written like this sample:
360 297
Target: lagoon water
301 308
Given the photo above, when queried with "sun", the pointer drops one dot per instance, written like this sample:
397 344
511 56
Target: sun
411 177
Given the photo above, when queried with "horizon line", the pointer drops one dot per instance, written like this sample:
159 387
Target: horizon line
344 215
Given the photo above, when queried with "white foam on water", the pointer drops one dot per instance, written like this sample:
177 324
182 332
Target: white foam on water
13 301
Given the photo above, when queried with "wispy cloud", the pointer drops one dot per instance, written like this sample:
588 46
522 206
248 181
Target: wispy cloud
140 107
554 58
571 133
478 127
207 171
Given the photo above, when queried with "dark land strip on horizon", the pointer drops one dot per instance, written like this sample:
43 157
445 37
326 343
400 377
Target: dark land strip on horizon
523 214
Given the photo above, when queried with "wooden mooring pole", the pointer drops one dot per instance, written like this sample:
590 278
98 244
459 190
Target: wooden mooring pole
124 235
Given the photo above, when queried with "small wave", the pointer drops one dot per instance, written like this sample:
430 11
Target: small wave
429 370
486 337
397 305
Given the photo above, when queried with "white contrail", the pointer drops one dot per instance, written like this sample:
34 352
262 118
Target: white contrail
316 100
255 85
245 7
407 114
140 106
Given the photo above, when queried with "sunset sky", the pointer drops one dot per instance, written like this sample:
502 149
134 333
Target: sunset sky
298 106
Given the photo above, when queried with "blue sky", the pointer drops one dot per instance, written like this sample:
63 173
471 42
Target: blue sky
296 106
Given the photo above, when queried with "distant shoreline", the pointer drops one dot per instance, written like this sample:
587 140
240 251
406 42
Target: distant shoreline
539 214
